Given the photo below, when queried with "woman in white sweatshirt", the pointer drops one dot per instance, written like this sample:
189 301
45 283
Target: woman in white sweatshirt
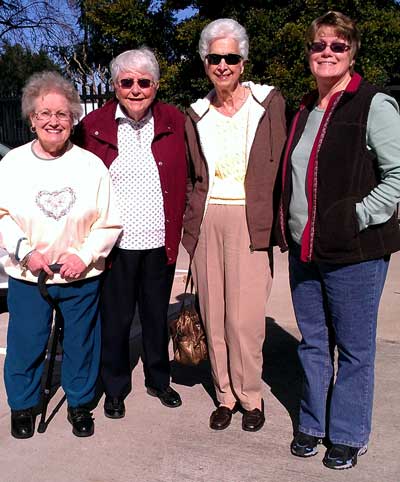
55 207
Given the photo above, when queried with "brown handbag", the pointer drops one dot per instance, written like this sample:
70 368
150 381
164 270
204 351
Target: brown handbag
187 332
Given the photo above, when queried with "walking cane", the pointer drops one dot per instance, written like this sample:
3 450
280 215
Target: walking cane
58 326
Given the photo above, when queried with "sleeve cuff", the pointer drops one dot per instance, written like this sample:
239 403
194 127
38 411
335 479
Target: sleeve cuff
362 218
22 249
86 256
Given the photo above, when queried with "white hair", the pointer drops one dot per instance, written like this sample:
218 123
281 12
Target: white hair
141 59
224 28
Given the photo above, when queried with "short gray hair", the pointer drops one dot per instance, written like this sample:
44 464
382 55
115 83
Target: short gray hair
46 82
142 59
224 28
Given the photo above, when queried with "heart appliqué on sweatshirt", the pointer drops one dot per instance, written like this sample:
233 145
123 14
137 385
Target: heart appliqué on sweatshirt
56 204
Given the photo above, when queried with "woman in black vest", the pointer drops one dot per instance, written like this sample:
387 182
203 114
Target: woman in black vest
341 183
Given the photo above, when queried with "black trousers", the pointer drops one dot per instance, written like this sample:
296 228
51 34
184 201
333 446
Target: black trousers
142 277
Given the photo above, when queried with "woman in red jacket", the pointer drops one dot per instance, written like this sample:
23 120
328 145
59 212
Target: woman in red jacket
141 141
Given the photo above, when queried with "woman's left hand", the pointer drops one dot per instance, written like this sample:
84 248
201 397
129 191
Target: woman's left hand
72 267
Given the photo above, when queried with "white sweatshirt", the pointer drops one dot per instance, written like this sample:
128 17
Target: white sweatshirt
61 206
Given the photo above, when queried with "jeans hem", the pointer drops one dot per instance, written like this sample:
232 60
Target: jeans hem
308 431
357 445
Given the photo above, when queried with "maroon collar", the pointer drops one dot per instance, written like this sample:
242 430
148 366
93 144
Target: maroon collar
309 99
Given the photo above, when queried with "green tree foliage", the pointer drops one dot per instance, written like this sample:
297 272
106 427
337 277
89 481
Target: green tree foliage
276 30
17 63
112 26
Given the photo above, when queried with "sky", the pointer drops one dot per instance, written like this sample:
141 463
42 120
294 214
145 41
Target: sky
187 12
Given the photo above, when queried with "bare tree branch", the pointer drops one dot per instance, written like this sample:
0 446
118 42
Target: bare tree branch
82 72
37 23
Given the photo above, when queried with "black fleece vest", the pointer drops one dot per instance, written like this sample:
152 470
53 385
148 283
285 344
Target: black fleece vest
347 172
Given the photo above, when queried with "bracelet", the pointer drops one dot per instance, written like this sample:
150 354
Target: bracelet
17 248
24 262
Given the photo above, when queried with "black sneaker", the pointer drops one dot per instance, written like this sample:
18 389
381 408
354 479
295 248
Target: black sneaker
304 445
342 456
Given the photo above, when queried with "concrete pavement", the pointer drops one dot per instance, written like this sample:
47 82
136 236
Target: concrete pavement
156 444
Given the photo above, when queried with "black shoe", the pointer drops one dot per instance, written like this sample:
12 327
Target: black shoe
304 445
221 418
341 457
81 420
114 407
253 420
168 397
22 423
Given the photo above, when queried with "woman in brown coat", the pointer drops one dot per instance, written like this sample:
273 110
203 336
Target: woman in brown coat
235 138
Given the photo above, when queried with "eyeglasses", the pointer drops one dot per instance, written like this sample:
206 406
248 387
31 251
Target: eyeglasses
230 59
336 47
46 115
142 83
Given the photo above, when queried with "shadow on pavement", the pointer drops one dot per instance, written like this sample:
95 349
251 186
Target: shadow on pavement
194 375
281 367
191 375
282 371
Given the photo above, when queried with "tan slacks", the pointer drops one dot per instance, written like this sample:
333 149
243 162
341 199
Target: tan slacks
233 285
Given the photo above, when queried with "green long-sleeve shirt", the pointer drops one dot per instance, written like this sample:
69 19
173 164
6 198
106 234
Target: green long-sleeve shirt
383 137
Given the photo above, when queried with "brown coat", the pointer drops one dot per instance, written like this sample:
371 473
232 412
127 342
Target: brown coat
264 159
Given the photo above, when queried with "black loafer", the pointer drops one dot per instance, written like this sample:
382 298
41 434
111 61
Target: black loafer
168 397
81 420
221 418
253 420
22 423
114 407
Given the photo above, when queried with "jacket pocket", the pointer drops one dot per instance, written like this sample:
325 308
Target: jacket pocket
338 227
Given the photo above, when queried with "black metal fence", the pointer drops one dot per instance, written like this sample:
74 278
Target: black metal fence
14 130
93 97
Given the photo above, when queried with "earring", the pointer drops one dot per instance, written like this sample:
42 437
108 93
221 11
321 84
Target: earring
32 129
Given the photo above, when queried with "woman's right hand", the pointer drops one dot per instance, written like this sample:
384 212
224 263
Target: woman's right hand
37 262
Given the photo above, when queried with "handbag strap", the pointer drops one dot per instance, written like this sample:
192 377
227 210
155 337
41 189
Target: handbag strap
189 278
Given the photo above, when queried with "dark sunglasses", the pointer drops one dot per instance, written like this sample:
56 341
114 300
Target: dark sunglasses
142 83
336 47
230 59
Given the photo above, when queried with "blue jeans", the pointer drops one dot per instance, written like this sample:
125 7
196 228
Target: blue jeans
28 333
336 306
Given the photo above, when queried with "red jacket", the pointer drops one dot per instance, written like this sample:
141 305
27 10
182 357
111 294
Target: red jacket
97 133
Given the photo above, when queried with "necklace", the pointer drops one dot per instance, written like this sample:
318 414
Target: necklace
64 150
